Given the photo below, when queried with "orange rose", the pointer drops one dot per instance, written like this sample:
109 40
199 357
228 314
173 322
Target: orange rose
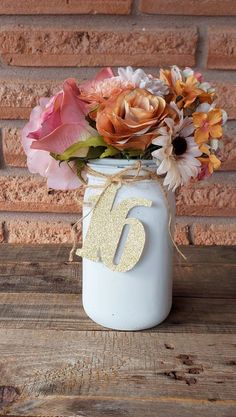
127 121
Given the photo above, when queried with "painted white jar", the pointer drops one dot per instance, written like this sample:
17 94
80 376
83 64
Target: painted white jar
141 297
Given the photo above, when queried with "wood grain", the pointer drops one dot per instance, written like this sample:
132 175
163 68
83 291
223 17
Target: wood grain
65 312
117 373
46 269
54 361
60 253
57 277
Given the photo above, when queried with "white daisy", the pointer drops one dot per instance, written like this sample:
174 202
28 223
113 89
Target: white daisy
142 80
177 158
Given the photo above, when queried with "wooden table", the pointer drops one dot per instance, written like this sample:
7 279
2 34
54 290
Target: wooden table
54 361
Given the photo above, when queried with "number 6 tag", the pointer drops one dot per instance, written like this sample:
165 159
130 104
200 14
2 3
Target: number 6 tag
105 230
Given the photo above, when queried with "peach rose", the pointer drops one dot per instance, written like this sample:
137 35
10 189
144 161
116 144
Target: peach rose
127 121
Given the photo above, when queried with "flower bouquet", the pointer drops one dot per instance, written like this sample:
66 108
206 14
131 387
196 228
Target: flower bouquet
133 138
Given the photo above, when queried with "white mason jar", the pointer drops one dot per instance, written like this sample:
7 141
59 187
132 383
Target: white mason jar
141 297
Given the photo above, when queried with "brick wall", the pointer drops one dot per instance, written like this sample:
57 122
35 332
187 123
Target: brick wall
43 42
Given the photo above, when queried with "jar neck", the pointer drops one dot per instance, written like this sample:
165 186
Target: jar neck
113 166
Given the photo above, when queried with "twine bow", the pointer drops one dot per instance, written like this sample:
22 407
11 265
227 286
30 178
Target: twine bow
122 177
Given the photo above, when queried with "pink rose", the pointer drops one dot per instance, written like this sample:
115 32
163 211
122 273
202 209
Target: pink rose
62 121
55 124
40 162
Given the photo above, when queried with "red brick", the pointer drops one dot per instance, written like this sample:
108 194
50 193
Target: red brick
1 233
189 7
40 46
29 231
207 199
181 234
221 48
214 234
18 97
38 232
31 194
12 148
226 92
228 153
65 7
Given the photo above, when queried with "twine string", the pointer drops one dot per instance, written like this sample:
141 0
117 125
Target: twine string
122 177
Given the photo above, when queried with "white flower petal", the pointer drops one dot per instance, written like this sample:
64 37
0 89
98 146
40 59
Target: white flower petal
224 117
214 144
142 80
161 140
188 72
176 74
187 127
203 108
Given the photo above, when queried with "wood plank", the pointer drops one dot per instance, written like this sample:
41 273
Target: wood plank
53 373
189 281
35 253
57 277
39 271
205 280
54 361
65 312
200 280
94 406
60 253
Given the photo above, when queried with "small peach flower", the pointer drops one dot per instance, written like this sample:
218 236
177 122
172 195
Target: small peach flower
213 163
186 86
127 120
102 87
187 91
208 125
209 162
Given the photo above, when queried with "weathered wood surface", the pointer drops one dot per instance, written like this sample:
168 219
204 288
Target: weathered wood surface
65 312
45 268
92 373
46 253
54 361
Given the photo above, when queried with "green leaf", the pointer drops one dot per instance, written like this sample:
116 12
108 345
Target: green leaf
110 151
92 141
79 167
95 153
132 153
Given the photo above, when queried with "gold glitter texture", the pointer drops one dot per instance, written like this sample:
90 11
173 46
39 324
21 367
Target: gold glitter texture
106 228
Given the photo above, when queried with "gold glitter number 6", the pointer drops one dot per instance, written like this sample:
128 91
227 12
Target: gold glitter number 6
106 228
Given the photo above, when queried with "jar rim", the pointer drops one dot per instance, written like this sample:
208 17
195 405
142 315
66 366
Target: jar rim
120 163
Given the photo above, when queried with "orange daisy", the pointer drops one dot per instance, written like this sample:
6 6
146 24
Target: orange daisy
185 90
188 91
